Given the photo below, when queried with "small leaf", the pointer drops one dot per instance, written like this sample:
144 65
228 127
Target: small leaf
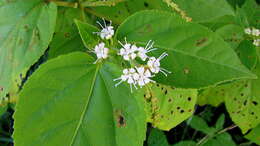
197 57
220 122
199 124
87 34
247 53
157 138
66 38
231 33
223 139
167 107
254 135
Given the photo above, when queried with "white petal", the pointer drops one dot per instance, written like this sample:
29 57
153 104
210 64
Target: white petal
140 70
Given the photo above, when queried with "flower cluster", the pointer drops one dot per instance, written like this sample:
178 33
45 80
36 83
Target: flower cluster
137 75
254 33
106 33
140 75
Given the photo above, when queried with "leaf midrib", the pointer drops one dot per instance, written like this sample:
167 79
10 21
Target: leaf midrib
86 106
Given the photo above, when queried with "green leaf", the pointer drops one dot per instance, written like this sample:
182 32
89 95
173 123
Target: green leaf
254 135
86 32
77 99
247 53
121 11
213 96
220 122
167 107
223 139
242 103
197 57
199 124
205 10
231 33
157 138
26 30
3 109
66 38
250 13
185 143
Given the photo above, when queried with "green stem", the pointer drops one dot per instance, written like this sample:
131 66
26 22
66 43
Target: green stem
207 137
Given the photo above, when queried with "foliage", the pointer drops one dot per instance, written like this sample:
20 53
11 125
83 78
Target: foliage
144 69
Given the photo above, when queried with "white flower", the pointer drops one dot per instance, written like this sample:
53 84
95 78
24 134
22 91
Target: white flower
248 31
154 64
144 76
107 31
148 48
130 76
257 42
255 32
128 51
101 51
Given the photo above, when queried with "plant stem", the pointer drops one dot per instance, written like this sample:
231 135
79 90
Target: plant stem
207 137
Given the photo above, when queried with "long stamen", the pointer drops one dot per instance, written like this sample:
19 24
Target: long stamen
118 83
125 41
104 22
162 56
100 24
110 23
150 50
117 79
169 72
96 61
163 72
148 44
121 43
96 32
131 88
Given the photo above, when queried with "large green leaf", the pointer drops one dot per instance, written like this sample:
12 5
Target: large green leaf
71 101
167 107
197 57
205 10
26 29
66 38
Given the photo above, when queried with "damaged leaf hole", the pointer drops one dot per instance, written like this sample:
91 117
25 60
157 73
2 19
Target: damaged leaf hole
254 102
121 122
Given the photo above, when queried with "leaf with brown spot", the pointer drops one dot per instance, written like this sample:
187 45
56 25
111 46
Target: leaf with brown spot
166 111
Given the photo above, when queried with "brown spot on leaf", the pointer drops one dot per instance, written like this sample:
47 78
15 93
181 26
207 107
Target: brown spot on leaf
186 71
120 119
66 35
170 100
200 42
